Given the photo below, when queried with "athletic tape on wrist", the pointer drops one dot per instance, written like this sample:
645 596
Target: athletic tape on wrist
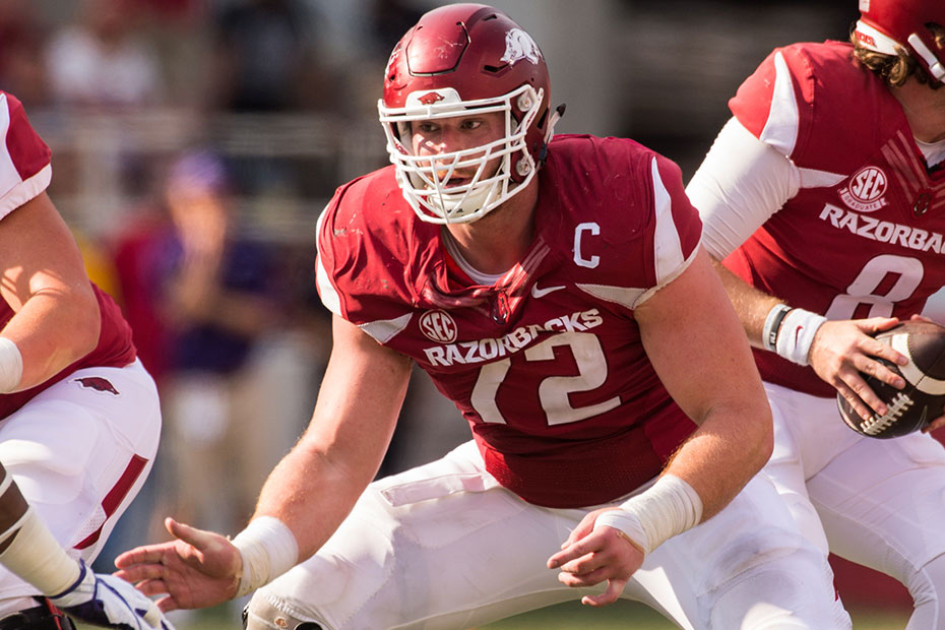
769 334
797 335
37 557
11 366
669 507
268 548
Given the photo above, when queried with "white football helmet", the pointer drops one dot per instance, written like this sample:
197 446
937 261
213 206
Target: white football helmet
459 58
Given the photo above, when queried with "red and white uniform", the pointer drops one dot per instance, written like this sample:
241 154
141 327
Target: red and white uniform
827 202
565 408
547 365
863 237
79 445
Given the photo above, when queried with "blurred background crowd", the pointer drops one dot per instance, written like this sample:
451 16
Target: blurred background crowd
195 142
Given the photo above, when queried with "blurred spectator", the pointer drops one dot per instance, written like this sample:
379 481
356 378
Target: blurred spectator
209 310
214 296
22 41
101 61
264 58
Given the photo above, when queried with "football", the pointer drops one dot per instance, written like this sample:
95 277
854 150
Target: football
923 397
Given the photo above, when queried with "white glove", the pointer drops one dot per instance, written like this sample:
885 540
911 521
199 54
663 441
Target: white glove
104 600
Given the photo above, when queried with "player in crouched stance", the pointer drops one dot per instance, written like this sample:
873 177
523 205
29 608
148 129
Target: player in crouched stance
79 414
824 195
556 292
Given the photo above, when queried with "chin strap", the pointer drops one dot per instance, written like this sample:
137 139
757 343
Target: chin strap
556 115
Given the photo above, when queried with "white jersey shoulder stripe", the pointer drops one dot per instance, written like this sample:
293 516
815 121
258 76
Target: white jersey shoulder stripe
14 191
667 248
781 128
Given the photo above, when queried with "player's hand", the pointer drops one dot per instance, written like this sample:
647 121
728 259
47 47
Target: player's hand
590 556
198 569
104 600
844 348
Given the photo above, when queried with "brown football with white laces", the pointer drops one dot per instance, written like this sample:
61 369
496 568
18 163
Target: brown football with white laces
922 399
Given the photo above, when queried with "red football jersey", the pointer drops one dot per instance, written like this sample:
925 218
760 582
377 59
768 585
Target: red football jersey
546 364
863 236
25 172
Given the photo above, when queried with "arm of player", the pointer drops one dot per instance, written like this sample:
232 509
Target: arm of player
57 318
29 550
310 491
741 183
735 435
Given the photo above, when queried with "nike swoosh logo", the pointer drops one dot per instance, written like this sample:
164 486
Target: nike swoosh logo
540 293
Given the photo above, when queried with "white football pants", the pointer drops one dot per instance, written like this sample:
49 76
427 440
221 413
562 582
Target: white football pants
443 546
79 452
881 503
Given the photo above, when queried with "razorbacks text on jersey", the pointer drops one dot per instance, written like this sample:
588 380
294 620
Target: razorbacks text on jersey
547 364
863 237
25 172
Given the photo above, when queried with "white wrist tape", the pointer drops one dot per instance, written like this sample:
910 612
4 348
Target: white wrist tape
11 366
796 335
37 557
669 507
268 548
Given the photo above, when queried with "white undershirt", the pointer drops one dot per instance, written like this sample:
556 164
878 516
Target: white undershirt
743 181
485 279
934 152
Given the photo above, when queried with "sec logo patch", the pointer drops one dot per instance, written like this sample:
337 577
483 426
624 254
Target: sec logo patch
866 190
438 326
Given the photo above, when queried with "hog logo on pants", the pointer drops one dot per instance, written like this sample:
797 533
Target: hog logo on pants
97 383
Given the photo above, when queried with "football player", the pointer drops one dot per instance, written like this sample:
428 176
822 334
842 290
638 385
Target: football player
79 414
824 196
556 292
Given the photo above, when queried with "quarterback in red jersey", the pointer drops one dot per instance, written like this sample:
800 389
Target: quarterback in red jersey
79 415
555 290
824 195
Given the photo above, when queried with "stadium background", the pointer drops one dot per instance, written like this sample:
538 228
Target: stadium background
659 71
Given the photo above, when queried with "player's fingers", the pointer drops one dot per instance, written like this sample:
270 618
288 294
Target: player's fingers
137 572
937 423
612 594
197 538
141 555
874 325
590 578
569 554
862 409
878 370
152 586
167 604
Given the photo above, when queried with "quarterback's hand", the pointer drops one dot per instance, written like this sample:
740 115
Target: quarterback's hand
844 348
198 569
590 556
104 600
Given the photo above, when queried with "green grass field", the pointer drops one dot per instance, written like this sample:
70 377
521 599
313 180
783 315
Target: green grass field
620 616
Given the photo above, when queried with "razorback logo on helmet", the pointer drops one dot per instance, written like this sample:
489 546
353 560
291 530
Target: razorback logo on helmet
97 383
865 190
520 45
438 326
430 98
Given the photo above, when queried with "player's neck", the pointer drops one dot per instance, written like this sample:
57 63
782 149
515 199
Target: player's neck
497 241
924 109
